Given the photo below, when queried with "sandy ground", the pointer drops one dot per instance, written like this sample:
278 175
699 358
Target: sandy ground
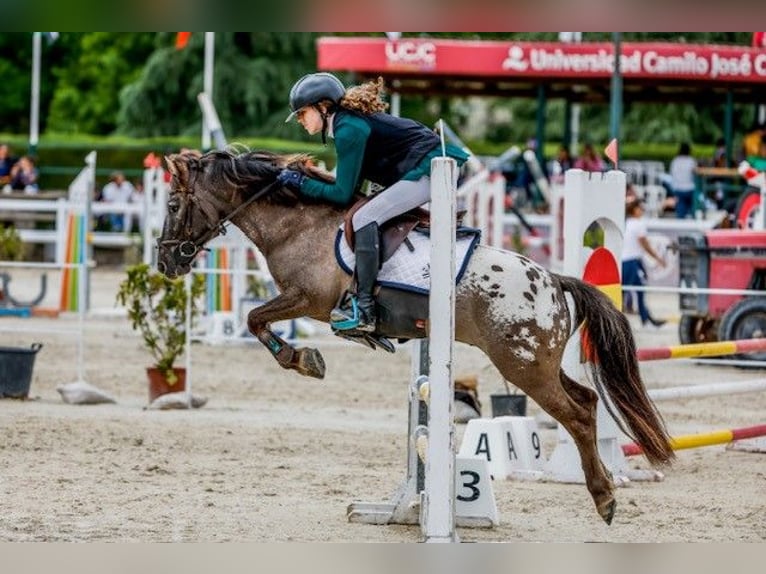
277 457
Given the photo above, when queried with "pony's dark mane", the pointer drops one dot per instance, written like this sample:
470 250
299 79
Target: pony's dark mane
252 171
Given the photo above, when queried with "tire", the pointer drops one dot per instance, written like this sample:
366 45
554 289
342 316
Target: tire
747 206
696 329
746 319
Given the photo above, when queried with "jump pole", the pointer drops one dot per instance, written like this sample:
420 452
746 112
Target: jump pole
702 349
704 439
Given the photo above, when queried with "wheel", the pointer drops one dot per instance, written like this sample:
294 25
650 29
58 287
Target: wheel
746 319
748 206
696 329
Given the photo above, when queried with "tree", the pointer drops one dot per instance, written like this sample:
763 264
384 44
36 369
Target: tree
253 75
89 82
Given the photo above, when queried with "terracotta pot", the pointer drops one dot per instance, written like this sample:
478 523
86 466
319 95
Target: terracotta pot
158 384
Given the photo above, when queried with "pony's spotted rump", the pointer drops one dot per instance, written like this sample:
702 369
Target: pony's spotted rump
506 305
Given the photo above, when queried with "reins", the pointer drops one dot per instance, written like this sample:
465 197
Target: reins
188 249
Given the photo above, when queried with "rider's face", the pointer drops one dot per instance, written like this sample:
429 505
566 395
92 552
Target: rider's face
310 119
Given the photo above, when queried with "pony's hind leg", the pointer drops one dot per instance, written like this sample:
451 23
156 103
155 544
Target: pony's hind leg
578 416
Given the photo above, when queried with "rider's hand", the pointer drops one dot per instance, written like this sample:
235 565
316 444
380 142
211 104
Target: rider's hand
291 179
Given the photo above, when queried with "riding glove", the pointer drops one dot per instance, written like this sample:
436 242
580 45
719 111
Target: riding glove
291 179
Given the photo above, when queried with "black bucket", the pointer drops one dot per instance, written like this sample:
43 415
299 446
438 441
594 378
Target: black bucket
509 405
16 370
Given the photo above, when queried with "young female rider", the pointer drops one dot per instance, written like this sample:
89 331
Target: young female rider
370 144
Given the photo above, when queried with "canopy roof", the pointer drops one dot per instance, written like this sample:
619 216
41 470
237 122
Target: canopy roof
578 72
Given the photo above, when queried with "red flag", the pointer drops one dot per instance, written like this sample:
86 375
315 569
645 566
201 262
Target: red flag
759 39
182 38
611 151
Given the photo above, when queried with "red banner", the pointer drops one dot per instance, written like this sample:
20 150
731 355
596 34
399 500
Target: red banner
542 59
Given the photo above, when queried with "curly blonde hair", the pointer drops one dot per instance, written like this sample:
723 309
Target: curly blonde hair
366 98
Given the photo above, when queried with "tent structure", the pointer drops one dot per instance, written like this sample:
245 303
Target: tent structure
576 72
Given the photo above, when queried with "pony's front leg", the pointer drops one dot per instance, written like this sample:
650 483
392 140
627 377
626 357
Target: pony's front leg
306 361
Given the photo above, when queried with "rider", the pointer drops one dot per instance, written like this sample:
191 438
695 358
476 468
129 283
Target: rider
393 152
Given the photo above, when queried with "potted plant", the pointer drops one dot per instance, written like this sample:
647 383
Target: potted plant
156 307
11 246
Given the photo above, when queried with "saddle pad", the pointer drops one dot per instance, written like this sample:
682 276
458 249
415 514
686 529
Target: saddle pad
409 270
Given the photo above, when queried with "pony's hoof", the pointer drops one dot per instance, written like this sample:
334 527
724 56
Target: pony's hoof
311 363
607 512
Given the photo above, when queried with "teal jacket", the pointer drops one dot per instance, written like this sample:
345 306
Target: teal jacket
381 148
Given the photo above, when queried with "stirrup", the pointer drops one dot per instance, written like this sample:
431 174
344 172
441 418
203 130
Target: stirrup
345 319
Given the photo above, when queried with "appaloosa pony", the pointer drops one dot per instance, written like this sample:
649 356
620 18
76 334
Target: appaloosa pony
508 306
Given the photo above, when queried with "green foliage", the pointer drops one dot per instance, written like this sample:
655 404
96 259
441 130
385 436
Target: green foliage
89 84
11 246
156 308
253 75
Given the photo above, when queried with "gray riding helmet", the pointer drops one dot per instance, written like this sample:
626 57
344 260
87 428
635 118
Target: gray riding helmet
313 88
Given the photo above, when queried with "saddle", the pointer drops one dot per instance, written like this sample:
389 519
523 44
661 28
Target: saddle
393 232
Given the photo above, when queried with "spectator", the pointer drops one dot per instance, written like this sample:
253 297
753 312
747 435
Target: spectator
758 160
752 140
634 245
6 164
590 160
561 164
719 154
118 190
24 175
682 169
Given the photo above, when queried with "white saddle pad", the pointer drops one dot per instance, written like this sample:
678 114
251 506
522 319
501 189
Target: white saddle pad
410 269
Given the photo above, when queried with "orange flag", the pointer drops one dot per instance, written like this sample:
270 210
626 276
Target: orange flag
611 152
182 38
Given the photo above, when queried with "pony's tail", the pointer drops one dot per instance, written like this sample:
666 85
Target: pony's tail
608 340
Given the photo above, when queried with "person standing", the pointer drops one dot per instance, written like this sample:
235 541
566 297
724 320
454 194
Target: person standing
682 170
634 245
590 160
390 151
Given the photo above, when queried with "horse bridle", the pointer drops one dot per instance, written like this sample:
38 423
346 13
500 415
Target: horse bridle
185 251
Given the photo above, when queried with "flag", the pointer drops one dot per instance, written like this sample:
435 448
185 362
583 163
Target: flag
182 38
759 39
611 151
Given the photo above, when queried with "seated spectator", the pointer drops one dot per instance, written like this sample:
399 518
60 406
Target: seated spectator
590 160
6 163
24 175
118 190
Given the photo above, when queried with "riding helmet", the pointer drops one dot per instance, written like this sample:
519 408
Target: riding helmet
314 88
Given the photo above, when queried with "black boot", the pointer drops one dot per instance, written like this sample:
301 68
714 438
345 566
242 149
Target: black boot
367 253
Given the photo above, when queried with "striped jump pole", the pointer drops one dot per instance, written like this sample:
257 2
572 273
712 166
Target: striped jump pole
702 349
704 439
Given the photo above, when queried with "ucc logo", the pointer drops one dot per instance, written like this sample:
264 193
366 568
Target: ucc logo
411 53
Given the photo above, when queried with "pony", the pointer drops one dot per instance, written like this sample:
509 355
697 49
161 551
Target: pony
508 306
